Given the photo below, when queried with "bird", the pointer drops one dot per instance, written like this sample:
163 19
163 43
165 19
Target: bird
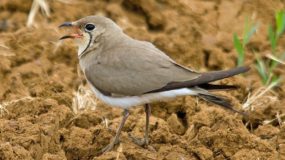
124 72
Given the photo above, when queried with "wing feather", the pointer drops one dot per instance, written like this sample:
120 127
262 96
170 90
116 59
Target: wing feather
134 69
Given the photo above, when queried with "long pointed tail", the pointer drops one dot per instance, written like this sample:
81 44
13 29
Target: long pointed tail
225 103
204 79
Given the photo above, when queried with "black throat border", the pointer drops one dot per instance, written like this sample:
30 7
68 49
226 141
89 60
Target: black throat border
89 43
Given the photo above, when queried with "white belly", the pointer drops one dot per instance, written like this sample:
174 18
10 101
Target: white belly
129 101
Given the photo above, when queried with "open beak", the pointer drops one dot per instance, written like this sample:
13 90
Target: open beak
78 33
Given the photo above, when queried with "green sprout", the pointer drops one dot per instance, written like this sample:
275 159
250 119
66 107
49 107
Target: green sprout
267 76
266 68
274 35
239 45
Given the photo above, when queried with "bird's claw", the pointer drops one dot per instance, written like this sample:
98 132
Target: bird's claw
143 142
109 147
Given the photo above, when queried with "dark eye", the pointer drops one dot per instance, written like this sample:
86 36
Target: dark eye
89 27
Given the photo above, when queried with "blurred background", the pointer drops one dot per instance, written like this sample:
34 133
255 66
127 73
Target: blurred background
47 111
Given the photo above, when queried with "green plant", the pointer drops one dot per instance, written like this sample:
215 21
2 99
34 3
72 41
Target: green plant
239 45
267 75
266 67
274 35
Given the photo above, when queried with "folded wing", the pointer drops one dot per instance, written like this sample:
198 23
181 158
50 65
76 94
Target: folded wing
134 70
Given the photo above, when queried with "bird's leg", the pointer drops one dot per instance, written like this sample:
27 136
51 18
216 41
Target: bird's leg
115 140
147 112
144 142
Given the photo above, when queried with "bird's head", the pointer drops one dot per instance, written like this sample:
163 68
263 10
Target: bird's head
89 31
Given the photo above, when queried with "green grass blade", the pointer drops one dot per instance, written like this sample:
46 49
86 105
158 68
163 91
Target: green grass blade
280 22
260 66
239 48
272 39
275 81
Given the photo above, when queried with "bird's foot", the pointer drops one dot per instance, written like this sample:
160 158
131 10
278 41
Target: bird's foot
143 142
109 147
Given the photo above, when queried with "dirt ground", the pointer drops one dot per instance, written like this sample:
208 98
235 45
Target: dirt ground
39 79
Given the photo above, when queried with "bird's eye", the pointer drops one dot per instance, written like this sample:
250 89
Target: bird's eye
89 27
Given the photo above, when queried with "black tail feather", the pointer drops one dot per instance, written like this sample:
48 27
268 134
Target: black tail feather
209 87
225 103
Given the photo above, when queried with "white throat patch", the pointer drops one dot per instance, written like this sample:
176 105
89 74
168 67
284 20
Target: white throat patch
82 43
